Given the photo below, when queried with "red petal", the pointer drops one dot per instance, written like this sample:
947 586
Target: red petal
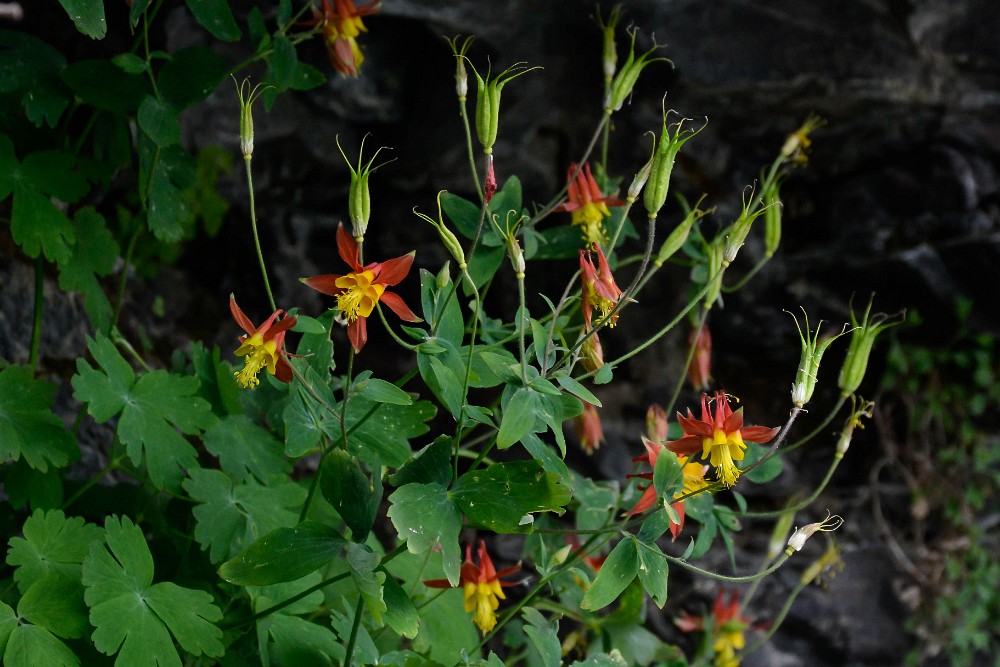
357 333
675 528
279 328
326 283
687 445
391 271
240 317
695 427
396 305
759 434
647 500
734 422
348 248
283 371
438 583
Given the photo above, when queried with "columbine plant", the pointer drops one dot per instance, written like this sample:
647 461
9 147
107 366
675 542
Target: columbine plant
296 509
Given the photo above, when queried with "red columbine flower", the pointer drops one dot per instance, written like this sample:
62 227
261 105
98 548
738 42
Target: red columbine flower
694 479
341 22
719 434
262 347
587 203
482 586
599 288
700 368
359 291
588 428
727 627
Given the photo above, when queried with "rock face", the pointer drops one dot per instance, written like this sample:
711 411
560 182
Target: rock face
901 195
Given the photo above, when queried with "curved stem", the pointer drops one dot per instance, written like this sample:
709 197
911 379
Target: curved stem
112 465
728 289
256 236
521 316
457 439
127 261
477 185
779 619
826 422
722 577
395 336
804 503
687 364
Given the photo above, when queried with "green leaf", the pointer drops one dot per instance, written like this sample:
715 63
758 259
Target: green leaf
30 68
31 645
543 454
653 571
8 623
706 535
596 502
130 63
93 255
245 449
668 476
104 85
38 226
281 67
431 464
137 619
518 417
441 309
617 572
291 640
384 437
365 651
159 121
363 561
52 544
348 489
443 374
55 603
400 613
544 637
562 242
424 515
308 418
306 324
306 77
765 472
191 75
28 427
577 389
380 391
233 516
503 496
603 375
216 17
317 347
139 7
285 554
168 209
152 411
24 485
88 15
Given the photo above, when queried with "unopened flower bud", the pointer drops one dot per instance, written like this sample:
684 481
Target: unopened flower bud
700 368
490 184
624 81
863 337
639 182
588 428
779 535
559 557
359 203
678 237
443 277
592 354
516 256
656 424
669 144
713 273
799 537
809 360
448 238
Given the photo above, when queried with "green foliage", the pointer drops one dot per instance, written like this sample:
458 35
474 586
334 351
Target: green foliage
326 514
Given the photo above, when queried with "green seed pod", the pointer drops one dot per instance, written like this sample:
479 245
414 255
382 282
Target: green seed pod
359 204
448 238
863 337
624 81
812 354
655 194
772 219
488 102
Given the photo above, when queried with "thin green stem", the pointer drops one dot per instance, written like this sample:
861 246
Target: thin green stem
547 209
779 619
687 364
826 422
722 577
467 380
39 309
113 465
349 651
728 289
476 183
521 316
127 261
804 503
395 336
256 237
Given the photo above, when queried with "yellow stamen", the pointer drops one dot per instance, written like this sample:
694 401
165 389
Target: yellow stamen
721 451
257 355
482 599
359 296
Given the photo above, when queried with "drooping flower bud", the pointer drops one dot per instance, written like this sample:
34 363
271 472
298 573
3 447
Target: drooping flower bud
592 354
812 353
700 368
863 337
588 428
448 238
359 203
678 237
667 147
490 184
639 182
656 424
624 81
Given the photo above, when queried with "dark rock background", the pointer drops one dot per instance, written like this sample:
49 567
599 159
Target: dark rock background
901 197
